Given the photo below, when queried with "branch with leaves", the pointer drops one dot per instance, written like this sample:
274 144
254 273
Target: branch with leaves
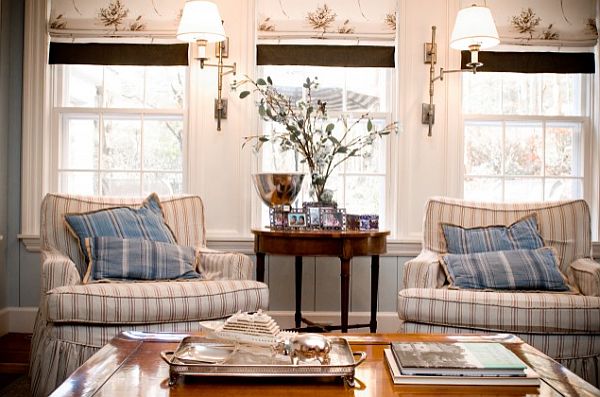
309 132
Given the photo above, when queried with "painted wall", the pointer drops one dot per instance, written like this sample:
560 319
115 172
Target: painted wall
11 65
220 171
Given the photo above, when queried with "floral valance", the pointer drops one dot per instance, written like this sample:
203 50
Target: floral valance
562 23
372 22
104 20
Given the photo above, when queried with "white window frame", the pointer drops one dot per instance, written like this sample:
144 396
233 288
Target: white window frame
584 119
58 110
390 143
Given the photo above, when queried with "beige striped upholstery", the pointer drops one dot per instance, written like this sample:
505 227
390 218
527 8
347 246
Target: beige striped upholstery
564 326
75 320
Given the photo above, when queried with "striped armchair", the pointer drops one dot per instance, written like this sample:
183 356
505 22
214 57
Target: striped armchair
565 327
75 320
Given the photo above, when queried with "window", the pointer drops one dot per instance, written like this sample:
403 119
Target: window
360 184
524 136
118 130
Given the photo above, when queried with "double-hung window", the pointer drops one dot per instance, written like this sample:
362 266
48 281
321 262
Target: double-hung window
360 185
525 136
118 130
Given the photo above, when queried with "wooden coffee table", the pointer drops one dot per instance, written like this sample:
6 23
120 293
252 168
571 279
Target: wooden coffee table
130 365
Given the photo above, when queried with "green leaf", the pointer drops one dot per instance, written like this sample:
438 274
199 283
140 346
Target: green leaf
307 81
335 142
342 150
263 138
261 82
369 125
244 94
329 128
261 111
269 80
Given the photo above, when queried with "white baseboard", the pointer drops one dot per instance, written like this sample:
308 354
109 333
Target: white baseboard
387 322
17 319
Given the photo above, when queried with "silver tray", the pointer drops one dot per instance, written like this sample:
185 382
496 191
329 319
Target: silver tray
200 356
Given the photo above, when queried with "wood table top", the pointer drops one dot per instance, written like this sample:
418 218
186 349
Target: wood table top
130 365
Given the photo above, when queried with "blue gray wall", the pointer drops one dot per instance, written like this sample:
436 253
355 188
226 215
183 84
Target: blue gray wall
11 67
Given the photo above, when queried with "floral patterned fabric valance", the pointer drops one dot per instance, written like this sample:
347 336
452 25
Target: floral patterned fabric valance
328 21
105 20
561 23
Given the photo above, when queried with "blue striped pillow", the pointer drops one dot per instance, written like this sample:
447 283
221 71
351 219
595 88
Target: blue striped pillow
523 234
146 223
137 259
512 270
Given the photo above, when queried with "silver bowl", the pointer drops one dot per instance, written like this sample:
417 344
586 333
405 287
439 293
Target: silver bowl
277 188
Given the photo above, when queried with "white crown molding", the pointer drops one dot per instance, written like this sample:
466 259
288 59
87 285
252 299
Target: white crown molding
35 115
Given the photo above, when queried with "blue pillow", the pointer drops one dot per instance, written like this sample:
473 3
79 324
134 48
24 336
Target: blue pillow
523 234
512 270
137 259
146 222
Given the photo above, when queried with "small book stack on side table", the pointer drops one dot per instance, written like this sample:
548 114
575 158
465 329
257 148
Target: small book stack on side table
469 363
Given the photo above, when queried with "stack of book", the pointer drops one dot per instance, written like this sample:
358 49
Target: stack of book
469 363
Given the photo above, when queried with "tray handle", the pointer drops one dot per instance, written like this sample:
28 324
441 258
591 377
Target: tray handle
167 356
363 357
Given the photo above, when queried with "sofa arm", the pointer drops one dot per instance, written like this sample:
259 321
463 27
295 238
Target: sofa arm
58 270
424 271
225 265
586 274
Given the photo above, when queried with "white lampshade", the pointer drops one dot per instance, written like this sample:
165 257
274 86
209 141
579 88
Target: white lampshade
474 26
200 20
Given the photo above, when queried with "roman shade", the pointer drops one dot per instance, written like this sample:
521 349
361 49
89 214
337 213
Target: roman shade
332 33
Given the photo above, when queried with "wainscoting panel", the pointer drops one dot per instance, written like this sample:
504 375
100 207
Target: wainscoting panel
321 283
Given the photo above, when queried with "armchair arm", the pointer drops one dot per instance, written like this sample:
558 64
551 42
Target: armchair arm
58 270
586 274
225 265
424 271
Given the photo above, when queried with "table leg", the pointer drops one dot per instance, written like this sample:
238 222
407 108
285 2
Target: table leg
298 275
260 266
345 287
374 289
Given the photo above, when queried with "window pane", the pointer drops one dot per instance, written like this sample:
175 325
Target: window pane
84 183
365 194
83 85
483 148
482 93
164 87
563 189
368 90
120 184
563 154
163 144
523 189
164 184
79 145
483 189
121 144
523 149
560 95
520 93
124 87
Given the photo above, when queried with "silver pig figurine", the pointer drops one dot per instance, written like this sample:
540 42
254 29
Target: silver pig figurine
303 347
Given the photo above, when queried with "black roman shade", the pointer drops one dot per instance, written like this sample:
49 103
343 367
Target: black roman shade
326 55
533 62
119 54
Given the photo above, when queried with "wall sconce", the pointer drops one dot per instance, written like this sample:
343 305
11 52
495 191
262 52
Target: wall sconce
474 29
201 24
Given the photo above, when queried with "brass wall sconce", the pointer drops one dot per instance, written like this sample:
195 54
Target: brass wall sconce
474 29
201 24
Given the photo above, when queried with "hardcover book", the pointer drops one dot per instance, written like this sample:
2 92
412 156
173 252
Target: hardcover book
458 359
531 378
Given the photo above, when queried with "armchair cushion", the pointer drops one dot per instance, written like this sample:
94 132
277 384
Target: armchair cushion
146 222
153 302
528 312
522 234
114 258
513 270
